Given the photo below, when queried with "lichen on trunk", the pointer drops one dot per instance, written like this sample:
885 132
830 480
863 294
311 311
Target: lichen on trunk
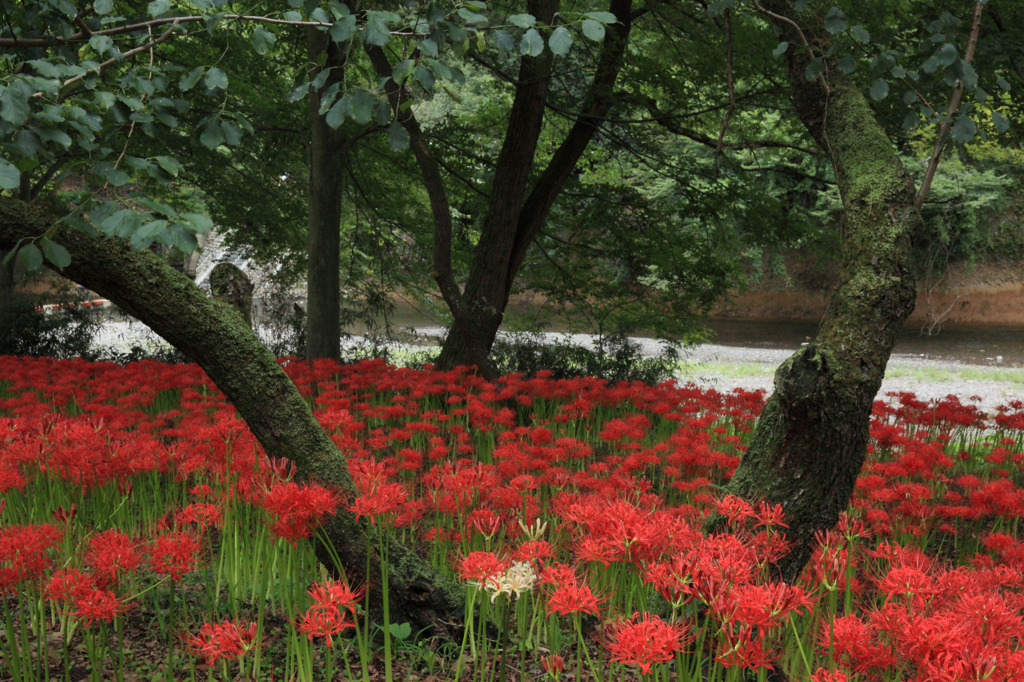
811 438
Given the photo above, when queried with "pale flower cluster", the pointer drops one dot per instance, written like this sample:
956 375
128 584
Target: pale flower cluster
520 577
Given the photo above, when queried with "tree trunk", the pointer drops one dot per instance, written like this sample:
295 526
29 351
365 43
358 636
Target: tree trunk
810 441
229 284
215 335
328 162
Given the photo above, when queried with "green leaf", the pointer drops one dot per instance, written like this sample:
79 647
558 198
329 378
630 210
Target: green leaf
158 7
946 54
969 75
402 71
860 34
198 222
216 79
593 30
523 20
10 176
377 31
14 105
835 21
428 47
909 97
144 236
56 254
472 18
780 49
879 89
847 64
397 137
504 40
343 29
532 43
181 239
560 41
898 72
101 43
424 77
262 40
361 105
814 69
31 257
169 164
400 631
603 17
212 135
103 6
963 130
1000 121
115 176
336 115
190 79
292 16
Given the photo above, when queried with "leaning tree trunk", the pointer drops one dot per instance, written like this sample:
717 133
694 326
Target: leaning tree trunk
328 163
215 335
811 438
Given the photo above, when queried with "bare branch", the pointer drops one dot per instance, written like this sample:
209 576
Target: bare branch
731 86
954 105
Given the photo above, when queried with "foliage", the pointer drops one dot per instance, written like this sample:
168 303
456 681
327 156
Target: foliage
612 358
64 331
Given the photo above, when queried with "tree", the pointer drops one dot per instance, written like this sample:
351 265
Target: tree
513 215
810 440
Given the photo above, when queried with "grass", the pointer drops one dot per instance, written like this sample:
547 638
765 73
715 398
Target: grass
926 373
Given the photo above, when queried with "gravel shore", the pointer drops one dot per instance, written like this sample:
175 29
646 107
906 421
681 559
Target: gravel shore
729 367
754 368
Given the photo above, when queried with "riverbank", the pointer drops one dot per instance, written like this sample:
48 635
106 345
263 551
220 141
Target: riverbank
725 367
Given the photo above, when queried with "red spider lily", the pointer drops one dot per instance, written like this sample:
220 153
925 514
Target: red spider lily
67 583
645 640
296 508
174 553
24 552
824 675
334 605
382 500
533 549
336 593
553 665
324 621
481 568
227 640
203 514
571 598
62 515
763 606
111 554
96 604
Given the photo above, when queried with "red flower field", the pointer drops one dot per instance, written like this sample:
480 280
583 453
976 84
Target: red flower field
143 532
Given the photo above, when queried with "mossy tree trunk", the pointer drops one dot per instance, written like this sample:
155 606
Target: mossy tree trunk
215 335
810 441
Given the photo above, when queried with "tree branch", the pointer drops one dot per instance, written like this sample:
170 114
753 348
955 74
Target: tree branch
596 106
954 104
432 180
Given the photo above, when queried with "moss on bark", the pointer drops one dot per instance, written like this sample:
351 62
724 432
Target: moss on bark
810 441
